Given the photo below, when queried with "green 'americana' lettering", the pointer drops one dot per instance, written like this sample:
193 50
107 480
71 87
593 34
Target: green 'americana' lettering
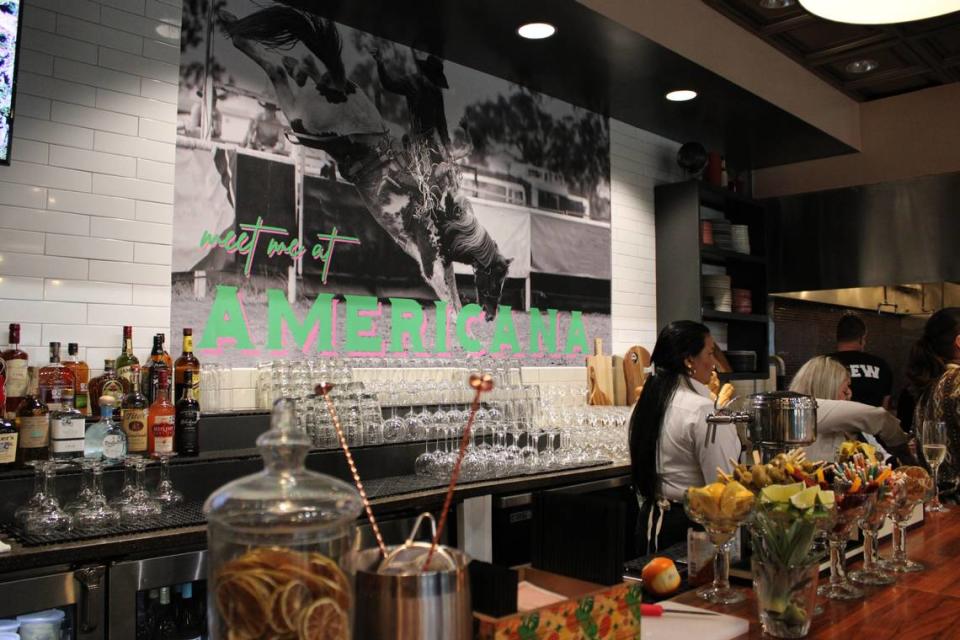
320 315
225 320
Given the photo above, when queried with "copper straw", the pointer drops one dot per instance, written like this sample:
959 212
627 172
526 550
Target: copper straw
479 384
322 390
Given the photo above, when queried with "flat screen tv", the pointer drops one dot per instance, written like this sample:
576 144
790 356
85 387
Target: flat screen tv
10 22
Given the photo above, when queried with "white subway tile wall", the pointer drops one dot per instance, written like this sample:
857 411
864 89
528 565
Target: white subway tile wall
86 206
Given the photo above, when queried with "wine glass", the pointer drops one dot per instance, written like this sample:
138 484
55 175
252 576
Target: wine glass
850 507
913 486
141 504
96 513
877 511
166 495
934 446
720 529
49 518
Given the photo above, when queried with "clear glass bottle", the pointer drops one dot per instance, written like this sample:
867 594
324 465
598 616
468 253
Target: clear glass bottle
67 428
296 524
81 378
105 439
55 379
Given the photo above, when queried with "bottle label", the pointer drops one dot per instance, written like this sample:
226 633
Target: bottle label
34 431
126 373
135 426
8 447
114 389
59 447
188 344
163 434
17 378
113 448
67 427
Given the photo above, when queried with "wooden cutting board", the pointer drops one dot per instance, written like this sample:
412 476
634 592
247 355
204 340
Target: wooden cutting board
619 383
635 362
599 376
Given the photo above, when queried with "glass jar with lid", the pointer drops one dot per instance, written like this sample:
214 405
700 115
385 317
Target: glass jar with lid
277 540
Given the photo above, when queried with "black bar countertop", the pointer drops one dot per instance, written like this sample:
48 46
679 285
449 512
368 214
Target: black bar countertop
388 495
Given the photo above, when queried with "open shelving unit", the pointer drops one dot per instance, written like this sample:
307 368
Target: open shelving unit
682 260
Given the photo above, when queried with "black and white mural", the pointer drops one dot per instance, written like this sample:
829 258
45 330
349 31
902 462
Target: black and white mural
328 177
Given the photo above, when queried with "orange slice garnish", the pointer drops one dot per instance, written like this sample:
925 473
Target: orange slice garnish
324 620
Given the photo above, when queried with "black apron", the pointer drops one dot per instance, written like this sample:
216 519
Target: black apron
660 524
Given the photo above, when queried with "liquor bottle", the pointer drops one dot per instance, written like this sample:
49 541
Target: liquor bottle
187 434
161 425
134 415
15 363
55 378
151 372
105 439
189 620
108 384
8 444
81 378
33 424
165 626
126 360
67 427
187 362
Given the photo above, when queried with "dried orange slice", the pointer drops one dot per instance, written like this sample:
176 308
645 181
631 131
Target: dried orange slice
294 598
324 566
324 620
242 603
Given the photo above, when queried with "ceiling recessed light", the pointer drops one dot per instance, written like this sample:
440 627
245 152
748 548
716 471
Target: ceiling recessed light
879 11
681 95
777 4
536 30
862 66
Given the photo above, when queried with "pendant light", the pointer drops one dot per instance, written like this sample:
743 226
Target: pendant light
879 11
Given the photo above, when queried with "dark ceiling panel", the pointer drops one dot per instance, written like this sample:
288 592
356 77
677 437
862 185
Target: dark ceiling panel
595 63
911 56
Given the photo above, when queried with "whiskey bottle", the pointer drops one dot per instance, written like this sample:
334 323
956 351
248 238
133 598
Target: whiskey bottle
55 378
67 428
186 362
108 384
8 444
151 373
15 363
134 415
187 434
81 378
126 360
161 426
33 424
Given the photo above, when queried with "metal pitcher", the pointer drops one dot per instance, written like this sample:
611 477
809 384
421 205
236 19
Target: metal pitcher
771 421
396 600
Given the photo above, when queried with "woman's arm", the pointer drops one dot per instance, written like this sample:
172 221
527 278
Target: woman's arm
847 416
715 453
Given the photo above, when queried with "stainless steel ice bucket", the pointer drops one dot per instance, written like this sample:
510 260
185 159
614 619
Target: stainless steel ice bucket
775 419
417 606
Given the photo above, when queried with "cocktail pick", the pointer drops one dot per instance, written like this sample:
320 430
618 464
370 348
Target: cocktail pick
479 383
323 389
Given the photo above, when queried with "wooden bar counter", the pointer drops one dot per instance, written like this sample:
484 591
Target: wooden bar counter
924 605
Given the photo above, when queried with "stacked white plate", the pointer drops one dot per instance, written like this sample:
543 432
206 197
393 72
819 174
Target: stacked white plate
740 238
716 289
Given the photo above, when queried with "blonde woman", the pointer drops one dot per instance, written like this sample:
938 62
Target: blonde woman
838 418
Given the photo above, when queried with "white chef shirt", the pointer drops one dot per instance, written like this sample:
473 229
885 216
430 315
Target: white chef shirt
839 420
686 457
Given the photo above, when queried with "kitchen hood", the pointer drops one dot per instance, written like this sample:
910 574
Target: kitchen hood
907 299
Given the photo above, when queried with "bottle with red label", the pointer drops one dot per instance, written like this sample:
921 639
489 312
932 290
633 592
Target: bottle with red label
162 417
15 375
134 415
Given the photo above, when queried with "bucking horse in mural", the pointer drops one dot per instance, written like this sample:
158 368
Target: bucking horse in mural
409 186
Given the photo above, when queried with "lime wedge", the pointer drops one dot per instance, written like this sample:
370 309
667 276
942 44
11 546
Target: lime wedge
825 498
781 492
806 498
